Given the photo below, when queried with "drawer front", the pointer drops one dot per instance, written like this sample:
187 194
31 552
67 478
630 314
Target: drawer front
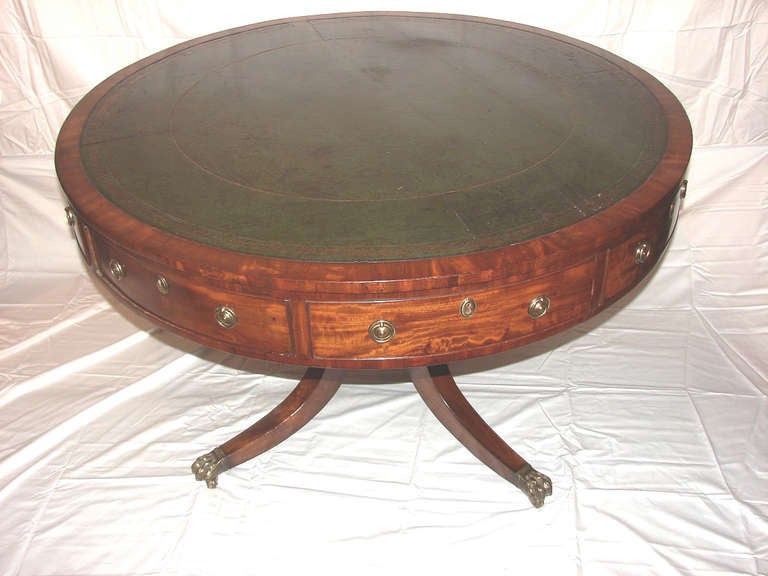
627 263
252 322
432 326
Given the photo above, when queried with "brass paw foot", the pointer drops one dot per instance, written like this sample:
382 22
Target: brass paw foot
208 467
535 484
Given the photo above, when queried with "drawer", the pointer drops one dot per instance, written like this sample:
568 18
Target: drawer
252 322
431 326
627 263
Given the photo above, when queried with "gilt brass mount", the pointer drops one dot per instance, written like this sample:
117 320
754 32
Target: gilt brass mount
535 484
208 467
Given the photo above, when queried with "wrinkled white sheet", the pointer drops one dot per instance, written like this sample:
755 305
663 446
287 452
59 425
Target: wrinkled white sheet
651 419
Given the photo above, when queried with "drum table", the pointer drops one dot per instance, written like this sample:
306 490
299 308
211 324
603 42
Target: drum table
374 190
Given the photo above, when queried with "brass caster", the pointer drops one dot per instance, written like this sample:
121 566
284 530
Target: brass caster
208 467
535 484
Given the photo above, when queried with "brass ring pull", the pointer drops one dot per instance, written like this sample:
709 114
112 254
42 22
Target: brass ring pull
381 331
225 317
642 252
538 306
116 269
467 307
70 215
162 284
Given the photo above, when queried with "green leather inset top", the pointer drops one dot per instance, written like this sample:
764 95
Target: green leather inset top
373 137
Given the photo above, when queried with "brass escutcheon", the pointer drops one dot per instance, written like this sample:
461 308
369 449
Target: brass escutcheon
642 252
467 307
116 269
162 284
381 331
225 317
538 306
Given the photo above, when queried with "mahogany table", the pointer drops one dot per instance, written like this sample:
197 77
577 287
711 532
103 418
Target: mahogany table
374 190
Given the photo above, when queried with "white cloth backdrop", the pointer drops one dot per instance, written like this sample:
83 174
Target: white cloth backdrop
651 419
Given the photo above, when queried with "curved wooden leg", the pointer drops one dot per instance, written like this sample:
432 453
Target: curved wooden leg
439 391
312 393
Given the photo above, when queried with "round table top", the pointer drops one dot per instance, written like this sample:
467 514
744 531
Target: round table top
372 137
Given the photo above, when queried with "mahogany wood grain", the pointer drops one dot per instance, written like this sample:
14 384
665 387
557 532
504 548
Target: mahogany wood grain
263 323
430 327
331 330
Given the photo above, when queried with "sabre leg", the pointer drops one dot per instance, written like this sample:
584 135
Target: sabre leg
310 395
440 393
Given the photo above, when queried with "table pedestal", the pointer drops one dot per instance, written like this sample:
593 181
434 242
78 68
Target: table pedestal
438 389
